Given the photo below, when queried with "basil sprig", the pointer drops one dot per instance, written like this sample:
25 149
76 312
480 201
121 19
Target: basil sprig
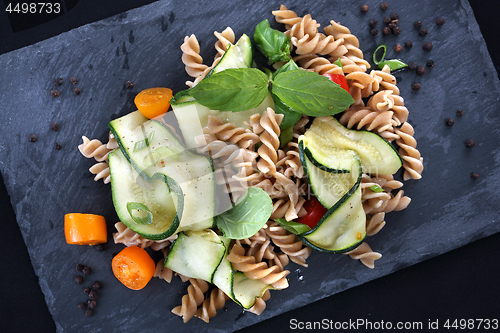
274 44
248 216
310 93
136 206
293 227
394 64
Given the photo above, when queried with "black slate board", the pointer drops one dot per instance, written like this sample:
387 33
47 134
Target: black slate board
447 211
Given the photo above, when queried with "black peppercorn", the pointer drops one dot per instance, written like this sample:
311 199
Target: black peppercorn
81 305
474 175
129 85
92 304
54 126
86 290
470 143
416 86
89 312
58 146
373 32
373 23
32 138
73 80
386 31
398 48
412 66
396 31
427 46
387 20
54 93
80 267
76 91
420 70
58 82
449 122
87 270
408 44
417 24
422 32
364 8
78 279
93 294
394 16
430 63
384 6
460 113
440 21
97 285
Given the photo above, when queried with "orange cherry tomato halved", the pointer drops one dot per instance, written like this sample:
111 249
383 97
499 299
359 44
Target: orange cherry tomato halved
153 102
133 267
338 79
315 212
85 229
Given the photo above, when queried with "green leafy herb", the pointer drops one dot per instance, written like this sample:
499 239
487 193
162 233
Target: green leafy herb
293 227
232 89
289 66
376 188
274 44
144 143
310 93
290 117
286 136
248 216
338 62
394 64
144 215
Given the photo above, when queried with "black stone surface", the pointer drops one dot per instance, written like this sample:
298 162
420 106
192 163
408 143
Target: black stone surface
448 209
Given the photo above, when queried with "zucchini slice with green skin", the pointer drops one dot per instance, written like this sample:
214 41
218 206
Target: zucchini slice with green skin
328 184
377 155
156 154
128 186
239 55
343 227
196 254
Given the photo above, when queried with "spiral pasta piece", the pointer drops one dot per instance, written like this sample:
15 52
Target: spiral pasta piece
215 301
191 57
317 64
270 141
288 243
375 223
101 171
192 299
229 132
161 271
365 254
224 39
94 148
360 117
257 271
286 16
412 160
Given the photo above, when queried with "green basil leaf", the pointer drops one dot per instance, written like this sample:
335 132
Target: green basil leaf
290 117
148 219
376 188
286 136
310 93
384 48
293 227
289 66
233 89
394 64
144 143
248 216
338 62
274 44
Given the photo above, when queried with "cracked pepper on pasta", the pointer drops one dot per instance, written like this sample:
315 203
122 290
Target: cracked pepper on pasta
252 156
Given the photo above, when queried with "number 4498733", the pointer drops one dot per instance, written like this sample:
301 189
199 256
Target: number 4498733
33 8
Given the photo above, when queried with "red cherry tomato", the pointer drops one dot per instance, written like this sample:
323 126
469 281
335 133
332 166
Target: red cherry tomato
315 212
338 79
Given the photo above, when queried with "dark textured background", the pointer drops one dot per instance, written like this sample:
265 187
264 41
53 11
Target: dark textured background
459 284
